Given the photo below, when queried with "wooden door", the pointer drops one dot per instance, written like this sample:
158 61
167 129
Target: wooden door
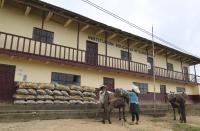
150 65
91 56
109 82
186 74
163 93
7 87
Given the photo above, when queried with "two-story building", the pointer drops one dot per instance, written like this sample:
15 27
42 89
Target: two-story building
40 42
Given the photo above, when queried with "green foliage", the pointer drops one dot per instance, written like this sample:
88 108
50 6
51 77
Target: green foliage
185 127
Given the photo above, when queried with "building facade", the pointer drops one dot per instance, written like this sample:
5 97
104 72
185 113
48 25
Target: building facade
42 43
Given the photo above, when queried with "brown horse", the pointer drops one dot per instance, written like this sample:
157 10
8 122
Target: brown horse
178 101
113 100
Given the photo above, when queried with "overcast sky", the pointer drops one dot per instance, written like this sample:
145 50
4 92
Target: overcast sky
177 21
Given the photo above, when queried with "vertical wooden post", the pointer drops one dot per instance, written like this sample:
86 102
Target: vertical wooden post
42 27
78 31
166 60
106 48
182 68
195 73
128 54
43 17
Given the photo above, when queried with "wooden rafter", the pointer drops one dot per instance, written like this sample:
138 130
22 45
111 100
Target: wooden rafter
27 11
173 55
112 36
143 46
159 51
135 44
2 2
49 15
124 39
67 22
85 27
99 32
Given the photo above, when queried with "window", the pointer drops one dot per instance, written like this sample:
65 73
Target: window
124 55
110 82
65 79
142 86
180 89
170 67
43 35
163 89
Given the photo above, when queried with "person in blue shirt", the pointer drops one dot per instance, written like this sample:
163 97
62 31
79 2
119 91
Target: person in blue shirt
134 107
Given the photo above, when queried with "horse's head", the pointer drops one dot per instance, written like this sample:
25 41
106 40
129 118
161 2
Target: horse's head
171 95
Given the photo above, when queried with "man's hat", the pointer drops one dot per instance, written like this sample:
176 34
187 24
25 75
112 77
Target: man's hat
102 86
135 88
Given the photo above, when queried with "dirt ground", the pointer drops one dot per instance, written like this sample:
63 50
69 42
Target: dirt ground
146 124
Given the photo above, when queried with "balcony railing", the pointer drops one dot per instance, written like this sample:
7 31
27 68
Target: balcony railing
26 46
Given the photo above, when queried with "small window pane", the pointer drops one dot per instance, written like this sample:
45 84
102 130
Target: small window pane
170 67
124 55
180 89
42 35
65 79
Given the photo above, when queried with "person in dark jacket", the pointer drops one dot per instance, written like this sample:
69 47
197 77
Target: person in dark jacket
134 107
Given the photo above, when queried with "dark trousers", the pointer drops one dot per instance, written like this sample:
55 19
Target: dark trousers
134 109
136 114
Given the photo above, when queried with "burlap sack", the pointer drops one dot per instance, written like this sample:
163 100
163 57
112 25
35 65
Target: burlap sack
19 102
75 87
60 98
75 102
49 92
27 85
64 93
75 93
22 91
40 102
49 86
88 99
48 102
57 92
24 97
32 91
61 87
58 102
89 102
66 102
30 102
76 98
44 97
88 89
41 92
89 94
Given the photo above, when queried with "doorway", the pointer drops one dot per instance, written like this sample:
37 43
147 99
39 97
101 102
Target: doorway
91 56
7 85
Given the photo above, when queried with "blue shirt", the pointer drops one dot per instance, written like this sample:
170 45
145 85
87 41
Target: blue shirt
133 97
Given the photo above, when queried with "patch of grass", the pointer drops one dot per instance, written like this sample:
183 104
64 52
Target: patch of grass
185 127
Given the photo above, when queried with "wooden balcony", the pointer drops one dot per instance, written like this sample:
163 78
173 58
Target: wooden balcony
26 47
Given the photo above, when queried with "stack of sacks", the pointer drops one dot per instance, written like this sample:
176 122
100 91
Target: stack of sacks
26 93
44 93
53 93
88 95
76 95
60 94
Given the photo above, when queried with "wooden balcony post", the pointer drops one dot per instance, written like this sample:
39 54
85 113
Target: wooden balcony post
106 49
195 73
182 68
78 31
128 54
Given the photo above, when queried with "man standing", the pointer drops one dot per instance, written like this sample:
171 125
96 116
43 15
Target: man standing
134 107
